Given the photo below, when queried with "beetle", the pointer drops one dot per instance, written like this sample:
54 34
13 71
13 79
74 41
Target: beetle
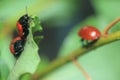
90 34
17 46
23 26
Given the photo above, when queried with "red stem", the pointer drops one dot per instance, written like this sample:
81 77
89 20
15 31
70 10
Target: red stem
107 28
81 69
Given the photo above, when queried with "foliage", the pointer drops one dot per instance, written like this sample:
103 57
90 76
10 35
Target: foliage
101 63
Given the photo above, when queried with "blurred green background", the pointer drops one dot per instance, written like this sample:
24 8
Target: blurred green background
56 16
61 20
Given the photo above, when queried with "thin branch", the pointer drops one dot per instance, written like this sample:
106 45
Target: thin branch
81 69
107 28
77 53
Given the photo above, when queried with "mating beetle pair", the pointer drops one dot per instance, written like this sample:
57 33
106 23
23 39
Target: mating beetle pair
17 44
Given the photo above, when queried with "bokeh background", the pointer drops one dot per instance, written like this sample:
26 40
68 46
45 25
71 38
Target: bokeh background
57 18
61 20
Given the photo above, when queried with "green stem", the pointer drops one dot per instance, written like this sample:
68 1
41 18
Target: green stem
103 40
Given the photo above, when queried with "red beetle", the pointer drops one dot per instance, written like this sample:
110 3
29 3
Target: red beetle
23 26
20 29
89 33
17 46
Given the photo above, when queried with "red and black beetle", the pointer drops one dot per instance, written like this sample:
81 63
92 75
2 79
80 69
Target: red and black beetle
17 46
23 26
89 33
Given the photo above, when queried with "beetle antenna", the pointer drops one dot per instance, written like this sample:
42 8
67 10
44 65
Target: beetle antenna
26 10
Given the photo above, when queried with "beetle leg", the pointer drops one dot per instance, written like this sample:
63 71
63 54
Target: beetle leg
17 54
92 42
82 41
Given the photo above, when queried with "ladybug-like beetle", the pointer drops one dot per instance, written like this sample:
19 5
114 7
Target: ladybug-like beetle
89 33
17 46
23 26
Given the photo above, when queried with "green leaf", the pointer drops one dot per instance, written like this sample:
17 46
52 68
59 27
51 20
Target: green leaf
107 9
38 39
36 23
45 62
29 59
4 70
7 60
101 63
36 28
72 41
26 76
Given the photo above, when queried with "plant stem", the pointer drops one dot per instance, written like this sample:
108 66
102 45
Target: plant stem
77 53
77 64
107 28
